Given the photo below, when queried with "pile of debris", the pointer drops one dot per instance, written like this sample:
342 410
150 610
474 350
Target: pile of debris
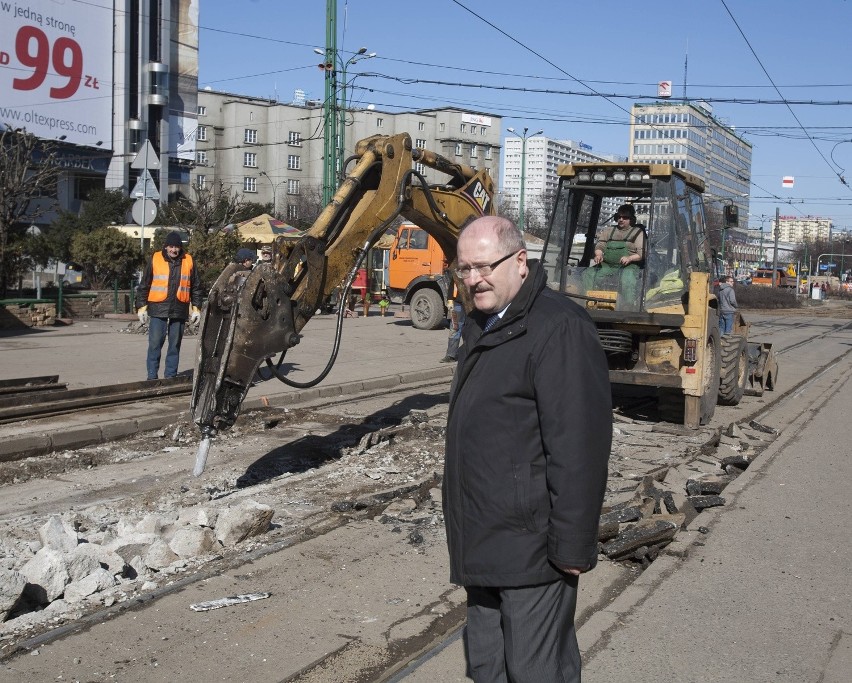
80 562
665 501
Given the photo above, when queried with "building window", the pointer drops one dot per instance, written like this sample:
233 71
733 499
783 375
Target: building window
292 187
380 122
294 138
420 143
442 127
458 149
202 110
251 136
200 181
482 130
421 125
201 158
473 151
463 128
292 212
249 184
487 152
473 130
294 162
250 159
420 168
202 134
251 116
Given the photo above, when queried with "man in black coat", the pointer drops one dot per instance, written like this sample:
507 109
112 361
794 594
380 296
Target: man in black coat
528 439
169 295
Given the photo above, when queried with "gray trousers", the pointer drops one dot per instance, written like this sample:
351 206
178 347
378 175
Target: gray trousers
524 634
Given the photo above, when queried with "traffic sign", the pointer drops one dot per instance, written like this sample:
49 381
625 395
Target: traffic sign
145 187
146 158
144 211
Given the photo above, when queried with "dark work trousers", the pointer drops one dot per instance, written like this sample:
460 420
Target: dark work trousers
523 635
158 330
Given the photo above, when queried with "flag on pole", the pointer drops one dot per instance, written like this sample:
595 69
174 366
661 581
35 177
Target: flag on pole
787 181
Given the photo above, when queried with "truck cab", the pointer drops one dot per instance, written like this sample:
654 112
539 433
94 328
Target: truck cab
418 276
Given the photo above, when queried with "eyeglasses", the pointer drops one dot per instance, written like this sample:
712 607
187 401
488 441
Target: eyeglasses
484 270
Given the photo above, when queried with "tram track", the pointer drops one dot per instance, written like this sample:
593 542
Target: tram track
297 449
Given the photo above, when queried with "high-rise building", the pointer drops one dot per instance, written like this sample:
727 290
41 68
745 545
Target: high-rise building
687 136
542 157
801 229
271 153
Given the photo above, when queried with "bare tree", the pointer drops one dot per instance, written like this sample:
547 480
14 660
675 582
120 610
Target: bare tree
211 207
27 172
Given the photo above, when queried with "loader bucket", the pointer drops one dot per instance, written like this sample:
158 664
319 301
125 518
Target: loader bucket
763 369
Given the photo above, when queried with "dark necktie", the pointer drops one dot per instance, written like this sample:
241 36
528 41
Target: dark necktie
493 319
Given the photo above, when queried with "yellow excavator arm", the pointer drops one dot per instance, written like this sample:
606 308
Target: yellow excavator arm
251 316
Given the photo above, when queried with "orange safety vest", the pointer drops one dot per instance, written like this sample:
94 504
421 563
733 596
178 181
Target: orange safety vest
160 282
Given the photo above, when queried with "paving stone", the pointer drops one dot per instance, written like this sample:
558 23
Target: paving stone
75 437
24 446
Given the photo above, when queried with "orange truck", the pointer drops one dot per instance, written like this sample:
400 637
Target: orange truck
762 277
418 275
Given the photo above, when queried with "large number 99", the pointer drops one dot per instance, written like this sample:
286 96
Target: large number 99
67 59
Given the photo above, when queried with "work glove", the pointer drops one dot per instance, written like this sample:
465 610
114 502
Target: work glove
143 314
194 315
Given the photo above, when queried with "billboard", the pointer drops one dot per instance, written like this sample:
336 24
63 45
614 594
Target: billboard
56 69
183 86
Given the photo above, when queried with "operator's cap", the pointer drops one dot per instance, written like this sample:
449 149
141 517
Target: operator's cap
266 250
173 240
245 255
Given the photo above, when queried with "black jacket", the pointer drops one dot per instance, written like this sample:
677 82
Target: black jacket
171 307
528 439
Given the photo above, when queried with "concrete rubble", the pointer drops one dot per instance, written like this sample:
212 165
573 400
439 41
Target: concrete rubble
85 561
649 514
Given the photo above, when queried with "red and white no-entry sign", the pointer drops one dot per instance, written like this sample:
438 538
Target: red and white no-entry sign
787 181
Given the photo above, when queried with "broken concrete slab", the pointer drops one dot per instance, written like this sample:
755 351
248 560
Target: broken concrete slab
192 541
106 558
47 575
245 520
99 580
159 556
12 585
703 502
58 534
629 540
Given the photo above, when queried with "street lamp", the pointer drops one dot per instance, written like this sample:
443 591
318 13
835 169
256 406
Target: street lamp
335 147
523 170
274 187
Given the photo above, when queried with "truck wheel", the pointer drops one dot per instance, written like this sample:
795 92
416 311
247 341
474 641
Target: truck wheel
712 370
427 309
734 370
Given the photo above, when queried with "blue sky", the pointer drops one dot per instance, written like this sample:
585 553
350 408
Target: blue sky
498 57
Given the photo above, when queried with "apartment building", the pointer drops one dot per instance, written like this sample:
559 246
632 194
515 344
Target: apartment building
801 229
272 152
541 158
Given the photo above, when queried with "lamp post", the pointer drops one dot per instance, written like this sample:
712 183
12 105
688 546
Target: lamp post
521 217
274 187
341 125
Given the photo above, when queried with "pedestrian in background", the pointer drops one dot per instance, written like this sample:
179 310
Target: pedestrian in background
727 305
529 432
169 295
266 254
457 317
245 257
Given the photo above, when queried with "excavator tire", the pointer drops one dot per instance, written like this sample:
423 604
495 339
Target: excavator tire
427 309
734 369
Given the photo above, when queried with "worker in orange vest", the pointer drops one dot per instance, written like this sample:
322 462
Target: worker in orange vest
169 295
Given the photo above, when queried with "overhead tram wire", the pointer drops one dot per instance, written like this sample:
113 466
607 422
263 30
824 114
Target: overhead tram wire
760 63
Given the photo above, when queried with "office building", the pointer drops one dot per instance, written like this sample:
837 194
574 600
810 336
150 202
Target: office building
687 136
